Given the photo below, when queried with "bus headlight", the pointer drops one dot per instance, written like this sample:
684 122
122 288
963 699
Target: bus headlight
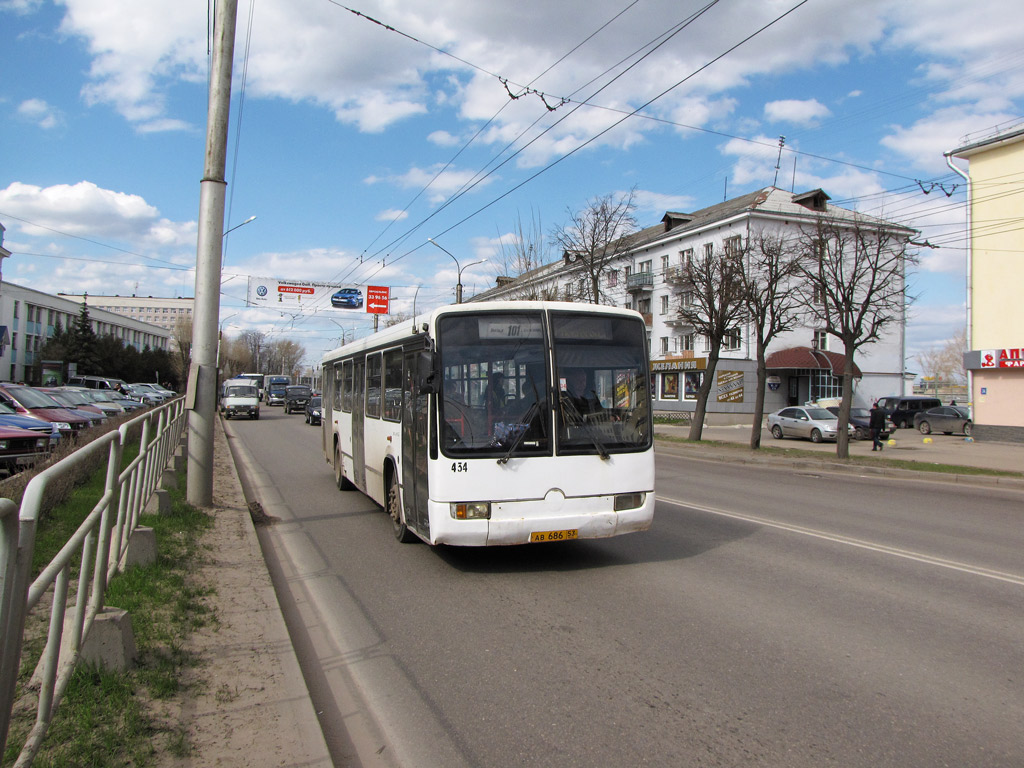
473 510
629 501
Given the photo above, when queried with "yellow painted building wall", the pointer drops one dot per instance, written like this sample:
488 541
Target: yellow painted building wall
997 300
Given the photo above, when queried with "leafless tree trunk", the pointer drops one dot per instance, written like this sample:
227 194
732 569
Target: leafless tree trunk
771 305
714 310
854 288
596 237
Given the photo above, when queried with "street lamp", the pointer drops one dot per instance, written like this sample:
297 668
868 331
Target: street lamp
251 218
458 285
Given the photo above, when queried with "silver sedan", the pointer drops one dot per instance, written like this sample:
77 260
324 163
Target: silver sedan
809 422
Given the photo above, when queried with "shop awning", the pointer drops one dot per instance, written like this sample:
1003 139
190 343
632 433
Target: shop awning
806 358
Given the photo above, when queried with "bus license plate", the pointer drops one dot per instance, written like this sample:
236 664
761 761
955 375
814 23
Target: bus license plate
572 533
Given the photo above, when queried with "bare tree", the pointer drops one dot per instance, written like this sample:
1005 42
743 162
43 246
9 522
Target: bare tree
854 288
254 342
283 356
771 306
946 363
523 252
595 238
181 335
713 306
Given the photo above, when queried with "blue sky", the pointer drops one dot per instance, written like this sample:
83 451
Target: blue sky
352 143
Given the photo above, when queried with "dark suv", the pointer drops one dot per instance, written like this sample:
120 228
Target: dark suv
901 408
295 398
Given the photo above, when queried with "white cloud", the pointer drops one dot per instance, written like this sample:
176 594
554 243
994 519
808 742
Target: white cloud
800 112
391 214
925 142
39 112
440 183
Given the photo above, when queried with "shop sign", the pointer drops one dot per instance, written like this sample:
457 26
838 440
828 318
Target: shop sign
1002 358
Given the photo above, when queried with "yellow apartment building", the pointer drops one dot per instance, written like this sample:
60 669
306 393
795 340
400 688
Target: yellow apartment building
995 333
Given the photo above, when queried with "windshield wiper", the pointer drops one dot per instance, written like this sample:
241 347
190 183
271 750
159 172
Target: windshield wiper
528 417
577 417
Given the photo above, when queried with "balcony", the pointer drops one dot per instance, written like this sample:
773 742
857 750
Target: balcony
640 281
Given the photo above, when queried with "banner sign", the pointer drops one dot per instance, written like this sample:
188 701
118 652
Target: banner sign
1002 358
298 294
377 299
730 386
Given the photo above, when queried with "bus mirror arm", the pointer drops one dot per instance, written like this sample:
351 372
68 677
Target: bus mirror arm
426 375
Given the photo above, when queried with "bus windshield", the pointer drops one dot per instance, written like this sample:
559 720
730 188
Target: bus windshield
497 384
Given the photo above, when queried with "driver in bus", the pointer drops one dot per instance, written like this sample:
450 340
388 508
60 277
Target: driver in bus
583 399
495 397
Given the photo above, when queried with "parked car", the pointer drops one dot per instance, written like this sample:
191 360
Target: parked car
117 398
146 388
901 408
347 297
21 447
860 419
810 422
144 395
11 418
75 398
295 397
96 382
314 410
30 402
946 419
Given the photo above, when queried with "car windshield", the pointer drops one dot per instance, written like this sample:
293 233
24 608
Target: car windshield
241 391
315 402
860 413
33 398
820 414
298 390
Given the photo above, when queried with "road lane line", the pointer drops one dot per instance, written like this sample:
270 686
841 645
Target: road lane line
838 539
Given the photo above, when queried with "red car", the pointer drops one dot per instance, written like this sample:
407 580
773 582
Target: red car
32 402
20 447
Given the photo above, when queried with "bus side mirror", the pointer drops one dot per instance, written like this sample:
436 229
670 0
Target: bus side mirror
426 374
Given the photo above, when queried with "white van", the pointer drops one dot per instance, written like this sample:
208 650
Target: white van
239 397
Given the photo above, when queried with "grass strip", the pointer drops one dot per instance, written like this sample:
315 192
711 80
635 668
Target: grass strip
108 718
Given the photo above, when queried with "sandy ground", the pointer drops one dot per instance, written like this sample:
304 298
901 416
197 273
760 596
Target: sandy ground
246 703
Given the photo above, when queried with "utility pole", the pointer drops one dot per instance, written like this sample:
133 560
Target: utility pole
202 394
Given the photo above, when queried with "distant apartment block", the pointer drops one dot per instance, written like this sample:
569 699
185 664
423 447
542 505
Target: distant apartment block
156 310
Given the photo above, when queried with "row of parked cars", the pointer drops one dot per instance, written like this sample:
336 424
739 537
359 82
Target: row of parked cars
33 420
925 414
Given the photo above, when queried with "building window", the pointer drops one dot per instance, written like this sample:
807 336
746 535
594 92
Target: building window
670 386
664 305
820 341
733 245
686 257
643 306
645 266
817 295
613 278
709 250
688 341
664 345
664 264
732 340
686 298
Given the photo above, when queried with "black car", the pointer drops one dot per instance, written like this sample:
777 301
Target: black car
946 419
860 420
901 408
313 410
295 397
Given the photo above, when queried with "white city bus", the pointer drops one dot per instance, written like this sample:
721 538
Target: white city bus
497 423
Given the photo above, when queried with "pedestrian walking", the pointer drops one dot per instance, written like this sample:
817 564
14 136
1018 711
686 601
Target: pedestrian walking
876 424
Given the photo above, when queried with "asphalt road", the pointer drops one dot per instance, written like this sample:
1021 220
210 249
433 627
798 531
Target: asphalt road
770 617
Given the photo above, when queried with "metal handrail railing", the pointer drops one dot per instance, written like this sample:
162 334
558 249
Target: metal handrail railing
100 545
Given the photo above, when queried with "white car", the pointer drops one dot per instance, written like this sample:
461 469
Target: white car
808 421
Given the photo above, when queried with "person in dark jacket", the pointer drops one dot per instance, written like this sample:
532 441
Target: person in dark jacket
876 423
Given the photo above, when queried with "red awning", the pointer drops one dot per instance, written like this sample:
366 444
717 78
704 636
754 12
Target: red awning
805 357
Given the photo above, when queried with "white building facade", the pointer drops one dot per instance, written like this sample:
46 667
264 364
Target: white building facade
156 310
28 318
805 364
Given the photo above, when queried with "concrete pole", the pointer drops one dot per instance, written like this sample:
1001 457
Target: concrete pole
203 374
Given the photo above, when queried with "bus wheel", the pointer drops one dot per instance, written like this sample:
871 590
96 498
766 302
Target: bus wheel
402 532
343 483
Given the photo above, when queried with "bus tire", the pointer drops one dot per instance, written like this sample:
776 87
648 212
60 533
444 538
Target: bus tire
402 532
343 483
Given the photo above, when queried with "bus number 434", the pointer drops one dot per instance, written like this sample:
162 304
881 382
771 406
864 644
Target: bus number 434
460 466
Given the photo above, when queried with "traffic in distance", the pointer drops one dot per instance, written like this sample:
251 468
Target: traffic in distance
505 423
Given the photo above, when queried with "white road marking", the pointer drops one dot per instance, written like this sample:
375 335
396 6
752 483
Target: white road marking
836 538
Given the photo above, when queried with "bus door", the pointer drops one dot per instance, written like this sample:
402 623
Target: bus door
414 449
358 413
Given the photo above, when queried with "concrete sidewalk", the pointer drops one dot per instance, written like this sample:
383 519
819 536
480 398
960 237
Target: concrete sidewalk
904 445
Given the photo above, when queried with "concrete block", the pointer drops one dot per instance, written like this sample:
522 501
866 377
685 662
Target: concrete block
159 503
111 641
141 547
179 462
169 479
